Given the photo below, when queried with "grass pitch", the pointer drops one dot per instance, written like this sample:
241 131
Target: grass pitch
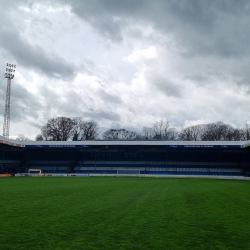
124 213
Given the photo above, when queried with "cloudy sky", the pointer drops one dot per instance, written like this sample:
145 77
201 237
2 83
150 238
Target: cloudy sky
126 63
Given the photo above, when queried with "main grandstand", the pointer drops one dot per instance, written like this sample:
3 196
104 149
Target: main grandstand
221 158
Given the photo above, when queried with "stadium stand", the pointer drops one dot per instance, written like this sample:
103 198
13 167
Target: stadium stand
106 157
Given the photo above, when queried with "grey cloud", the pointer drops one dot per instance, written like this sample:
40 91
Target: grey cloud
201 27
107 8
210 39
109 97
109 29
196 78
2 96
34 56
72 104
20 50
102 115
23 103
165 86
104 16
210 28
66 104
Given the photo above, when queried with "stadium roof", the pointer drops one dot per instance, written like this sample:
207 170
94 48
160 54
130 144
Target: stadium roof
205 144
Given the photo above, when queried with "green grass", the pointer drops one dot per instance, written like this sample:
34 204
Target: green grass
124 213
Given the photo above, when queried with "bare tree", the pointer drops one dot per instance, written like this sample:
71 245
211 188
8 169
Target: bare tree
111 134
90 130
237 134
22 137
120 134
160 130
39 137
45 134
218 131
172 134
246 132
193 133
147 133
131 135
58 129
77 129
84 130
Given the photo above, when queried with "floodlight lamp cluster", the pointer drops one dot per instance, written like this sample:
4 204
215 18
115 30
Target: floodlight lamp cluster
10 71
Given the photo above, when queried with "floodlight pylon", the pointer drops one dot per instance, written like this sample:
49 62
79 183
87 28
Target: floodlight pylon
9 75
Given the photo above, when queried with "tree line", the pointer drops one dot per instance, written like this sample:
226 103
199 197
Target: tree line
78 129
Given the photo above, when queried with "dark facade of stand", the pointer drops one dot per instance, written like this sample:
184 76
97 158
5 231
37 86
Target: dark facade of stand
106 159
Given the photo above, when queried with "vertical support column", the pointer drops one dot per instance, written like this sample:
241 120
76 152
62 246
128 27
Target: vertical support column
27 161
3 160
166 161
95 158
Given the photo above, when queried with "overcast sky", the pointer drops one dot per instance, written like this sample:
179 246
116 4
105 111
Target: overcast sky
126 63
